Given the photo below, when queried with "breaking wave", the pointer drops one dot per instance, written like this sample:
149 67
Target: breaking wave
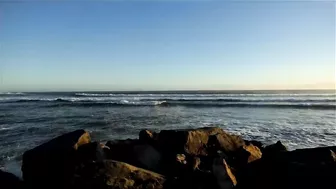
196 104
309 101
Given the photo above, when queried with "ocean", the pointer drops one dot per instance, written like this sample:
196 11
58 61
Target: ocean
300 119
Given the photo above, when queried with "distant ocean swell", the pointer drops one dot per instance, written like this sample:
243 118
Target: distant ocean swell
167 99
186 103
330 93
322 101
203 95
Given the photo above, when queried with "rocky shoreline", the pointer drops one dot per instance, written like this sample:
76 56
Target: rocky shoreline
204 158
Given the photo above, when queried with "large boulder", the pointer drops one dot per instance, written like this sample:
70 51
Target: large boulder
54 161
196 142
304 168
119 175
263 174
307 155
319 155
273 149
9 181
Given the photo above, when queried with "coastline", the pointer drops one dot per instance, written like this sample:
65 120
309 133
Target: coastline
193 158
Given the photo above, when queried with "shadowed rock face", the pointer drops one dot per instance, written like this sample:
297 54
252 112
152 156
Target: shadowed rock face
323 154
223 174
274 148
134 152
278 174
148 137
122 150
53 161
9 181
304 168
113 174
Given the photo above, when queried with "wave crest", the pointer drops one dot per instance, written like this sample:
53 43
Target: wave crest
201 105
11 93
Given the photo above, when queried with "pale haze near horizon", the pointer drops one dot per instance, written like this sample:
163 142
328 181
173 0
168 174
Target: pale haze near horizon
72 46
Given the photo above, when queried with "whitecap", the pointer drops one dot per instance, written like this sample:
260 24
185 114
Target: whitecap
13 167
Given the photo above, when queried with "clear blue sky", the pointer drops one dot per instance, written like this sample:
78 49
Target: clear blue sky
166 45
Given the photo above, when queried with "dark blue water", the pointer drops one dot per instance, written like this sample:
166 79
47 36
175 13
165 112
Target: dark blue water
300 119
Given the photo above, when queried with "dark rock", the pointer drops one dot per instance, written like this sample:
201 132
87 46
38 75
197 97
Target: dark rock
246 154
9 181
135 153
147 157
54 161
148 137
274 148
259 174
196 180
189 174
206 163
319 155
223 174
93 151
196 162
303 168
265 173
113 174
308 155
174 167
122 150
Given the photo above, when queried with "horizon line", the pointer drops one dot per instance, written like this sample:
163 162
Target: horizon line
186 90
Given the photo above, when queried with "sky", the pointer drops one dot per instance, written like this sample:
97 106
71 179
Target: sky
166 45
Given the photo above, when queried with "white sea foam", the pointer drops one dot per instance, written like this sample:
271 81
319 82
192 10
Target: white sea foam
175 97
13 166
4 128
208 95
11 93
